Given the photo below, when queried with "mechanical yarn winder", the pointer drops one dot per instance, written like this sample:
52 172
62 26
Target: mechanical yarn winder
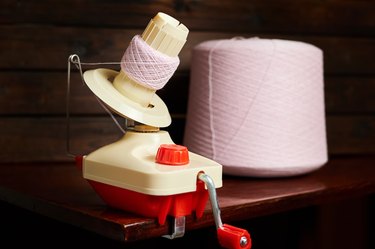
145 172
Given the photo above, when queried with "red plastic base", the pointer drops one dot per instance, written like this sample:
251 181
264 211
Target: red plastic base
153 206
150 205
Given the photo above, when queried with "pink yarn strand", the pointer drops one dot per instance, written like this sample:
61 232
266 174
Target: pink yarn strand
210 90
253 100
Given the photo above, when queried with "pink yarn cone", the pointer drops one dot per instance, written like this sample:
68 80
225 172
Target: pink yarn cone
257 106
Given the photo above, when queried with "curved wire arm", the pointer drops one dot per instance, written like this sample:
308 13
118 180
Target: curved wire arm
75 60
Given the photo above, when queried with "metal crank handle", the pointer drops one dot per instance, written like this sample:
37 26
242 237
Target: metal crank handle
229 237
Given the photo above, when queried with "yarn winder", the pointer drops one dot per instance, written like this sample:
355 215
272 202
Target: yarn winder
145 172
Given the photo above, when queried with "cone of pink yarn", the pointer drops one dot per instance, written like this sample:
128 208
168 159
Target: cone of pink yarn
257 106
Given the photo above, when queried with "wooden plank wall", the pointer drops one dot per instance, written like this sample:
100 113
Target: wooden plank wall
36 38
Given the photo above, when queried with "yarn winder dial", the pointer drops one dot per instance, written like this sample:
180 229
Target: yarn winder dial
145 172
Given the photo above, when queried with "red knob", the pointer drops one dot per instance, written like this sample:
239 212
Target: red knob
233 237
172 154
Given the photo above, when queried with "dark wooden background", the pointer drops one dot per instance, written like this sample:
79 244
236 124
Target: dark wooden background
36 38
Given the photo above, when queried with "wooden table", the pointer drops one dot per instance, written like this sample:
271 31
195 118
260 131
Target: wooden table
57 190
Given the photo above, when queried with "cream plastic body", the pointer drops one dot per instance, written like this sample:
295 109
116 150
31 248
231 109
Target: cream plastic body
130 163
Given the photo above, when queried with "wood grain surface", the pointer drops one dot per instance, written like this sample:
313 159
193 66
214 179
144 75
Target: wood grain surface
57 190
